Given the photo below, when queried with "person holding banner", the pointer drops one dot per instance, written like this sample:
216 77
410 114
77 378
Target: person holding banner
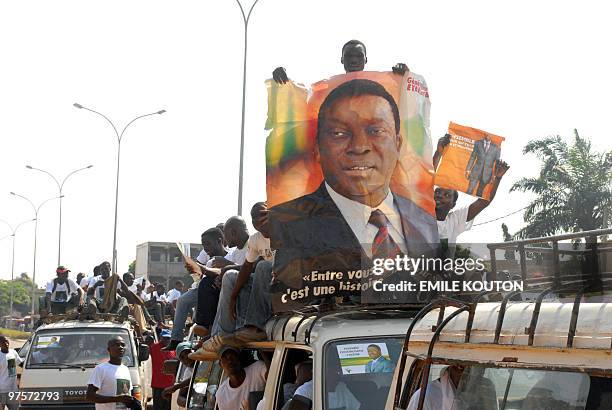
452 222
353 217
353 59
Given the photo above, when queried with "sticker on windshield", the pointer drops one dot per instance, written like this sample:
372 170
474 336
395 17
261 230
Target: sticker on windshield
47 341
361 358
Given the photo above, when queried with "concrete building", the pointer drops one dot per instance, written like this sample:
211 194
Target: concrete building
162 262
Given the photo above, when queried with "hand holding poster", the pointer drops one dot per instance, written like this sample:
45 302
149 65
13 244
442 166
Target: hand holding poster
349 181
468 163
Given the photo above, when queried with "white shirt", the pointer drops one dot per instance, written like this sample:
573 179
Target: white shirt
229 398
84 282
357 216
99 292
172 295
8 370
202 259
305 390
257 246
237 255
158 297
455 224
62 291
440 395
342 397
111 380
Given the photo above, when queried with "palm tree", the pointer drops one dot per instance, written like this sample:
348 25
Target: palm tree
574 189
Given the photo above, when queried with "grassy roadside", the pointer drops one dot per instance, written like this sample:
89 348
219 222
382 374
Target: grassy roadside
14 334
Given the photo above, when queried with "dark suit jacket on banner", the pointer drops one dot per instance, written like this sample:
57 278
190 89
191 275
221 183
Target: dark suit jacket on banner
483 161
309 233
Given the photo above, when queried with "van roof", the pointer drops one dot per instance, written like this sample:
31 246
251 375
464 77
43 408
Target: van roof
307 326
512 325
79 324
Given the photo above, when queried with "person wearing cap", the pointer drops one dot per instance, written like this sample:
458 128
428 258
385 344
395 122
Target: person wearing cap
159 380
240 382
182 352
62 293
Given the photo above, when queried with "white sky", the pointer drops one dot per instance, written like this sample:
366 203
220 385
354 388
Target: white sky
522 69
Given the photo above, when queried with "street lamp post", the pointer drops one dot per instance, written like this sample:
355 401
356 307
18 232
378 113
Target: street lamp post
245 19
119 139
13 233
36 210
60 187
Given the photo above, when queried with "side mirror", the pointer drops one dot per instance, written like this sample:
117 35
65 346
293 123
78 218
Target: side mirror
170 367
143 353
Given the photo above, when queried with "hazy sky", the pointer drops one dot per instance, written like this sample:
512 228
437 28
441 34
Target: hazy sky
521 70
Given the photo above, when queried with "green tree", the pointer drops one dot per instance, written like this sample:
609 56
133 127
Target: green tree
132 267
574 190
21 296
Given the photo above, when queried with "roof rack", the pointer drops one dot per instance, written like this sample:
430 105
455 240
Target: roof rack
318 312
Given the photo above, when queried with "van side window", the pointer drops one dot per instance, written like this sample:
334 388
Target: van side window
500 388
296 370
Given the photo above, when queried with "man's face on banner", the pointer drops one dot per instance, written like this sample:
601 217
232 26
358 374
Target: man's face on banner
358 147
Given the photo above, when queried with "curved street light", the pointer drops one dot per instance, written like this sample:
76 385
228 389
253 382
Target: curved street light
119 139
60 187
245 20
36 210
13 233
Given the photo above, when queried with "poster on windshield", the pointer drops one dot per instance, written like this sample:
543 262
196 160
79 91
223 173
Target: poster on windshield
361 358
468 162
337 151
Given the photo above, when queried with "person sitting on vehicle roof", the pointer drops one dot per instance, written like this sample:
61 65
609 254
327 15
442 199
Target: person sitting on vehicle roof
109 294
136 296
208 316
188 301
244 300
240 382
62 294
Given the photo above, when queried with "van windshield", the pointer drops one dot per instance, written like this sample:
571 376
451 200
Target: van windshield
65 348
358 373
514 389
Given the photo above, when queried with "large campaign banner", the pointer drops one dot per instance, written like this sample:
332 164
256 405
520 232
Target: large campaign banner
468 162
349 181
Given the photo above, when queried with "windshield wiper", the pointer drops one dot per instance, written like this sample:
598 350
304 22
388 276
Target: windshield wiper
65 365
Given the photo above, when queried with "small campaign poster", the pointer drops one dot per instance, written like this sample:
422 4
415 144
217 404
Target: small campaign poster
361 358
468 163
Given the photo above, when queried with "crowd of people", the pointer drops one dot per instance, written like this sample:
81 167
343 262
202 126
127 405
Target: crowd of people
228 302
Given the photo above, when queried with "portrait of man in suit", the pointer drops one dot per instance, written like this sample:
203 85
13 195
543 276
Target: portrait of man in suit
479 170
353 216
379 363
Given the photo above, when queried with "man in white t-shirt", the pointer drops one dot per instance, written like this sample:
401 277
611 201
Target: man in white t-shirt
97 289
173 295
62 293
9 360
236 235
233 394
110 384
